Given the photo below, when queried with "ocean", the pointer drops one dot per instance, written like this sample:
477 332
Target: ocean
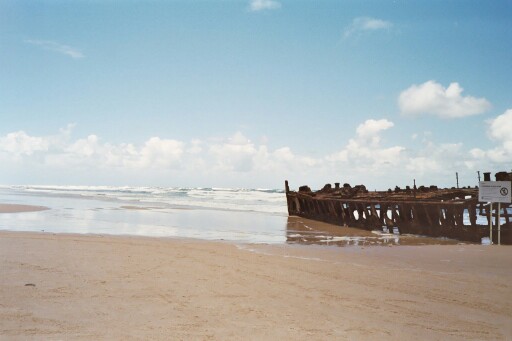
246 215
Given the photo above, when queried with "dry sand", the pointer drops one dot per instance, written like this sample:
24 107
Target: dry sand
55 287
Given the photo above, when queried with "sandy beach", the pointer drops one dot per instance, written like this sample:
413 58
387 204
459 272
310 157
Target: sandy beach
17 208
59 286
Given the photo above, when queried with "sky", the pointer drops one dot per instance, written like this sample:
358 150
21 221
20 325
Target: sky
248 93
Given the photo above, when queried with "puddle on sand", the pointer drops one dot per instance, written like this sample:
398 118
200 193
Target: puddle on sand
310 232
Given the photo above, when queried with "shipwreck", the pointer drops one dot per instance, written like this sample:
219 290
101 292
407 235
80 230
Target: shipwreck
452 213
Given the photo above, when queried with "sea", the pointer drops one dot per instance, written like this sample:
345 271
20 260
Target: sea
229 214
248 215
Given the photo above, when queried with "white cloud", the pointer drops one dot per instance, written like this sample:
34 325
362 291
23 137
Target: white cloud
423 165
370 129
500 130
364 158
433 99
364 152
195 147
236 154
366 24
501 127
90 152
155 153
233 155
159 152
261 5
283 160
444 158
19 143
85 147
57 47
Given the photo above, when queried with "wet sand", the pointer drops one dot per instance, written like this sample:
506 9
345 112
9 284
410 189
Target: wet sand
15 208
309 232
98 287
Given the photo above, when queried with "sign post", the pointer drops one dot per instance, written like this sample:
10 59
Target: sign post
499 223
490 222
495 191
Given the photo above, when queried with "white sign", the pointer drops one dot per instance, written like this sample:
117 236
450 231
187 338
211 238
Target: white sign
495 191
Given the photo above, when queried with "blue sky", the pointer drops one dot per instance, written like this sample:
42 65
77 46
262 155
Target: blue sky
249 93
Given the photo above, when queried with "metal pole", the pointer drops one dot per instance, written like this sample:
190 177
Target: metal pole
478 176
490 223
457 176
499 224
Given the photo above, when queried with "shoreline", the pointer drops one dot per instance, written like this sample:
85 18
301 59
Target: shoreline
207 224
129 287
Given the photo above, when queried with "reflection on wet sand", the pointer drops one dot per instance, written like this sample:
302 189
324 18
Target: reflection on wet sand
304 231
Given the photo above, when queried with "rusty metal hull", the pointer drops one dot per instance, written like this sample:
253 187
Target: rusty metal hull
437 213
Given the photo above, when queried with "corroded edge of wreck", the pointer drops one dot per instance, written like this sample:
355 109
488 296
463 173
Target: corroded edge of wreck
428 211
